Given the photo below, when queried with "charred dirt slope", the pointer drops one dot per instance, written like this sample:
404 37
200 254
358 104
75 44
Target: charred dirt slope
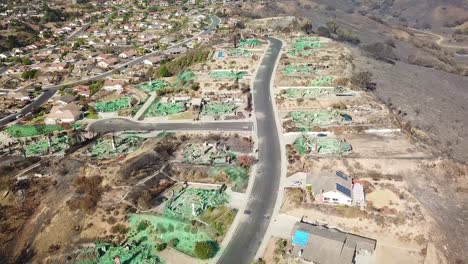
434 14
422 87
422 82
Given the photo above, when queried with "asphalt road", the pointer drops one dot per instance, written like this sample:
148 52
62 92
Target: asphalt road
250 231
42 99
78 32
122 124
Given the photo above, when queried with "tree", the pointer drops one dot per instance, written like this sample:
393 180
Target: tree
26 61
205 249
95 87
47 34
245 161
195 86
173 242
28 75
280 247
323 32
236 38
307 27
347 35
331 25
164 72
12 42
380 51
240 25
53 15
161 246
153 9
362 81
119 229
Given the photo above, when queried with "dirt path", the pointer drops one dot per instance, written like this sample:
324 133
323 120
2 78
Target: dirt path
440 39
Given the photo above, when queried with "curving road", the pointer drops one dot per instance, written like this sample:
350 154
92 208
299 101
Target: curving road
251 230
440 40
42 99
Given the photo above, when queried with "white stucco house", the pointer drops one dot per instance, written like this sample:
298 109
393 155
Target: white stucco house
331 187
60 114
113 85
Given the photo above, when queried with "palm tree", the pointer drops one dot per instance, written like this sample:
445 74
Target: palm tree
236 36
22 150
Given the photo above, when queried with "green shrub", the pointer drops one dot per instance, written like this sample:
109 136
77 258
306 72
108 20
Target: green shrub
206 249
119 229
173 242
143 225
161 246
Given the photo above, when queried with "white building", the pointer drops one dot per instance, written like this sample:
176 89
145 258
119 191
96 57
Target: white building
113 85
63 114
332 187
358 195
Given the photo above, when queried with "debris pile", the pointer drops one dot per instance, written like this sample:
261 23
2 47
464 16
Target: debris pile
105 253
45 146
154 230
165 109
250 43
309 119
321 145
236 174
152 86
231 75
239 52
298 69
218 108
191 203
115 146
322 81
304 47
113 105
319 92
208 154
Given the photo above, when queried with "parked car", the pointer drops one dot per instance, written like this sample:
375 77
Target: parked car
296 184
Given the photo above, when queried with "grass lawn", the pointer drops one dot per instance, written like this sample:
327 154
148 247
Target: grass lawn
219 221
31 131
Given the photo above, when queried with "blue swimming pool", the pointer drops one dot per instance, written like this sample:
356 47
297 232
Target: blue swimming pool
300 238
347 118
220 54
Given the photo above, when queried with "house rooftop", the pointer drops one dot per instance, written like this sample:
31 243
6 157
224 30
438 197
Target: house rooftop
325 245
330 181
67 98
